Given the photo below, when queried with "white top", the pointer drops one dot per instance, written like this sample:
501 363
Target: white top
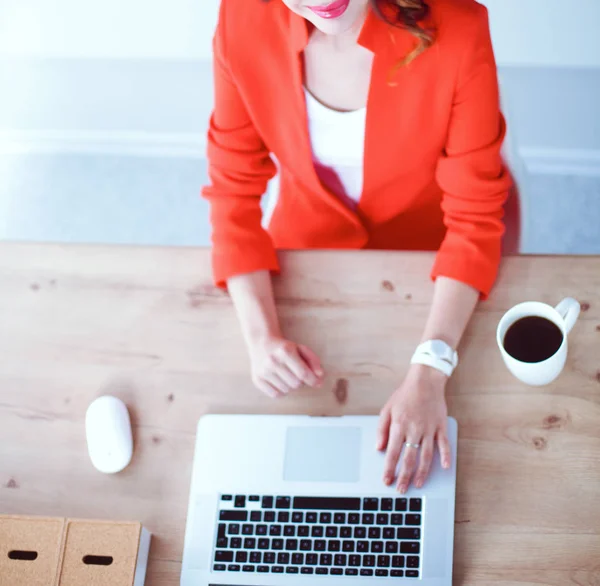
338 144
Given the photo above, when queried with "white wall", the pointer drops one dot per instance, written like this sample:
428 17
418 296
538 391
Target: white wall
526 32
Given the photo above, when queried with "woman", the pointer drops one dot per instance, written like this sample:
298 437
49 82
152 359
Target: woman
384 119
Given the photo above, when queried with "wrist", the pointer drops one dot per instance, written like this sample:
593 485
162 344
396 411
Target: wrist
424 374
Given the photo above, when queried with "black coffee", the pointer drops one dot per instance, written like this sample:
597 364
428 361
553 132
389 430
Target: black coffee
533 339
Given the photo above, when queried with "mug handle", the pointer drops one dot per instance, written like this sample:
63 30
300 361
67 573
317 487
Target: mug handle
569 309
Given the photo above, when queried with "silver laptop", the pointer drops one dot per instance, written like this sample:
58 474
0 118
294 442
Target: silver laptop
300 500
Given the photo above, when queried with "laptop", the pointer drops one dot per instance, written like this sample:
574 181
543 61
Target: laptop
297 500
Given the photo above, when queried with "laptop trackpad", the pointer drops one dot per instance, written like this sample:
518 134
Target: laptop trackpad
322 454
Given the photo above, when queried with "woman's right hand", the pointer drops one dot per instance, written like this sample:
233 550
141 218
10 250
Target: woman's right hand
280 366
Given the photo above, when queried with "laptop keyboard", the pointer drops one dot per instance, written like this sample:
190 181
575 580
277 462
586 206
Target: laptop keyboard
346 536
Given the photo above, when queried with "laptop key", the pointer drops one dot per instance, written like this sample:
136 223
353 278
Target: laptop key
410 547
387 504
370 504
413 519
407 533
325 518
322 571
233 516
269 517
360 532
354 560
226 497
312 559
336 571
222 542
317 531
289 531
340 559
368 519
374 533
267 502
277 544
277 569
381 573
298 559
353 518
398 561
327 503
401 504
303 531
222 530
262 569
234 529
307 570
275 530
412 561
283 558
283 517
264 543
334 545
368 561
397 573
305 545
249 543
233 568
240 502
283 502
297 517
291 544
397 519
383 519
261 530
219 568
339 518
366 572
319 545
412 574
348 546
235 543
331 532
351 572
311 517
241 557
326 559
291 570
269 557
255 557
256 516
248 568
416 505
391 547
223 556
389 533
362 546
383 561
376 546
247 529
346 532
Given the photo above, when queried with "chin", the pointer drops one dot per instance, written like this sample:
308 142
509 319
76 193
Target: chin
354 15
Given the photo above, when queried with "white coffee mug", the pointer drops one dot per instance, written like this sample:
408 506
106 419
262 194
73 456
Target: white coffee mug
564 315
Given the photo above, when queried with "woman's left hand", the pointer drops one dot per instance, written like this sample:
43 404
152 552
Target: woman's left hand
416 413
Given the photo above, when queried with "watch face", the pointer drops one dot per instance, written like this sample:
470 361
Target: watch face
439 348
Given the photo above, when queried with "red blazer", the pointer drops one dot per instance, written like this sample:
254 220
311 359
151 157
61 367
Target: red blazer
433 175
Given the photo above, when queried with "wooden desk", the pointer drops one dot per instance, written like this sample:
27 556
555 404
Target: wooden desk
147 325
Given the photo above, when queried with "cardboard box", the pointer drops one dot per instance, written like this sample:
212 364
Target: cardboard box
102 553
37 551
30 550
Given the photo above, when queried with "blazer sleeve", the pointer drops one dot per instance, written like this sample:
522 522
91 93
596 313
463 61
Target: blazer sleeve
239 168
471 172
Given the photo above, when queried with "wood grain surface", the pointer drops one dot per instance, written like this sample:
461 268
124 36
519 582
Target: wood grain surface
147 325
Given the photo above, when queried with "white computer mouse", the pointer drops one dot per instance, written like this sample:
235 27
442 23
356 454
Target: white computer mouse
108 433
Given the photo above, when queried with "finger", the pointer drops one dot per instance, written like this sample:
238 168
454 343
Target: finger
287 376
383 428
299 368
394 448
277 382
408 462
444 448
312 360
425 459
267 389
